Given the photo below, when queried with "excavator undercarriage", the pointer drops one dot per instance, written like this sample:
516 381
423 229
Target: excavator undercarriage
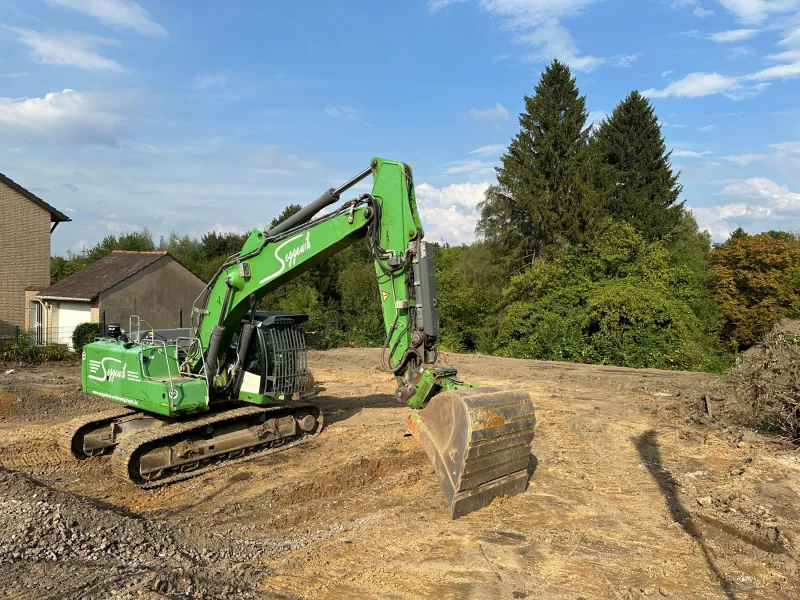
231 388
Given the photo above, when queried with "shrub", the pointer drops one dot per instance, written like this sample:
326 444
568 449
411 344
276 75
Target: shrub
621 301
85 333
26 351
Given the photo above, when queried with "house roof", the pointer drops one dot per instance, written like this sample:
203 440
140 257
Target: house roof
56 216
99 276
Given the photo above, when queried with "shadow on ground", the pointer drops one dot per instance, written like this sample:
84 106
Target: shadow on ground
336 409
650 451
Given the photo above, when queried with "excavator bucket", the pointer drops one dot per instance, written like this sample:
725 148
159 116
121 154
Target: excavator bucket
479 440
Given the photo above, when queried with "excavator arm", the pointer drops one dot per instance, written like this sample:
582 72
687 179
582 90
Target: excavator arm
389 219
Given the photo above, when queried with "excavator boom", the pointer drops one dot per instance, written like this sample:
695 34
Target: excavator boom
185 392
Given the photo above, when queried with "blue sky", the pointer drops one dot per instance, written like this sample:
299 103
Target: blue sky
192 116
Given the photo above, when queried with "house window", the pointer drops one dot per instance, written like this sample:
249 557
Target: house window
35 321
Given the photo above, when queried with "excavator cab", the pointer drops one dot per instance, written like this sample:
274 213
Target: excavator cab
275 366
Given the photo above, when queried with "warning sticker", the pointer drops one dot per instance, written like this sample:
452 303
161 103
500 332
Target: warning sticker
385 295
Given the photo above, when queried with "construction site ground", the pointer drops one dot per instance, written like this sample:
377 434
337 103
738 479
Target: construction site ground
628 498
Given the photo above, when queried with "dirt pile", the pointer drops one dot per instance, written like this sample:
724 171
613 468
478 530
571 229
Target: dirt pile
42 393
49 539
762 390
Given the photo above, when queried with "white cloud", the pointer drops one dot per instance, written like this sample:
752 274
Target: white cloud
345 112
748 85
699 11
555 41
696 85
466 195
537 24
786 156
18 75
527 12
792 34
116 13
755 200
69 117
740 52
777 72
226 229
450 213
437 5
755 11
760 188
490 150
790 55
691 153
733 35
624 60
473 168
497 113
707 128
745 159
791 147
68 48
666 74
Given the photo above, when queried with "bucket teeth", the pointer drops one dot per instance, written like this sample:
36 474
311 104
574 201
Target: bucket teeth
479 440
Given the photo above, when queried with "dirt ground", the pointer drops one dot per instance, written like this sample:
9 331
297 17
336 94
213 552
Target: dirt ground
628 499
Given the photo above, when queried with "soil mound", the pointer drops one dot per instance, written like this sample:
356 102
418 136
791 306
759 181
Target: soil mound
762 390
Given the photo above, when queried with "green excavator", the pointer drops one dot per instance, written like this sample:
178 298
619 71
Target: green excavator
231 387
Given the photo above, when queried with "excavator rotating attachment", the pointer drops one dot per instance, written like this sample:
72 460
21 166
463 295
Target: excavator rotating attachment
479 440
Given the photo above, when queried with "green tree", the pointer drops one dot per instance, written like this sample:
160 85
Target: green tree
186 250
756 281
469 284
622 300
140 241
543 201
635 176
61 267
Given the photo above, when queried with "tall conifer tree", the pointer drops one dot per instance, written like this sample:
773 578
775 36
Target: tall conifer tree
542 201
636 178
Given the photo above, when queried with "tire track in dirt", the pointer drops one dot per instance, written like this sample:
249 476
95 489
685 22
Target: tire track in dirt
33 449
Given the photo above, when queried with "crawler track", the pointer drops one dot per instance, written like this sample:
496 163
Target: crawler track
71 431
128 451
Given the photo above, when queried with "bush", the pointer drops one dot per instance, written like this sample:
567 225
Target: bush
85 333
622 301
26 351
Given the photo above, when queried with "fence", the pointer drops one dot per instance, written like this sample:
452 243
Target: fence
9 333
48 336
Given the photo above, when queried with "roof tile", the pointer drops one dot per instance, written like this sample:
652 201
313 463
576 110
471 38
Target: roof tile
101 275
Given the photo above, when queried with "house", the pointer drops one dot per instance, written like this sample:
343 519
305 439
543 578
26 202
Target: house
150 285
27 222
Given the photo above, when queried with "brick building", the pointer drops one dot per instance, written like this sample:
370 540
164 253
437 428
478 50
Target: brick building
27 222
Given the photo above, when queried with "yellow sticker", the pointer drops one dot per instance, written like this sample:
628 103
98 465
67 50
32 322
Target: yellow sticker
385 295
